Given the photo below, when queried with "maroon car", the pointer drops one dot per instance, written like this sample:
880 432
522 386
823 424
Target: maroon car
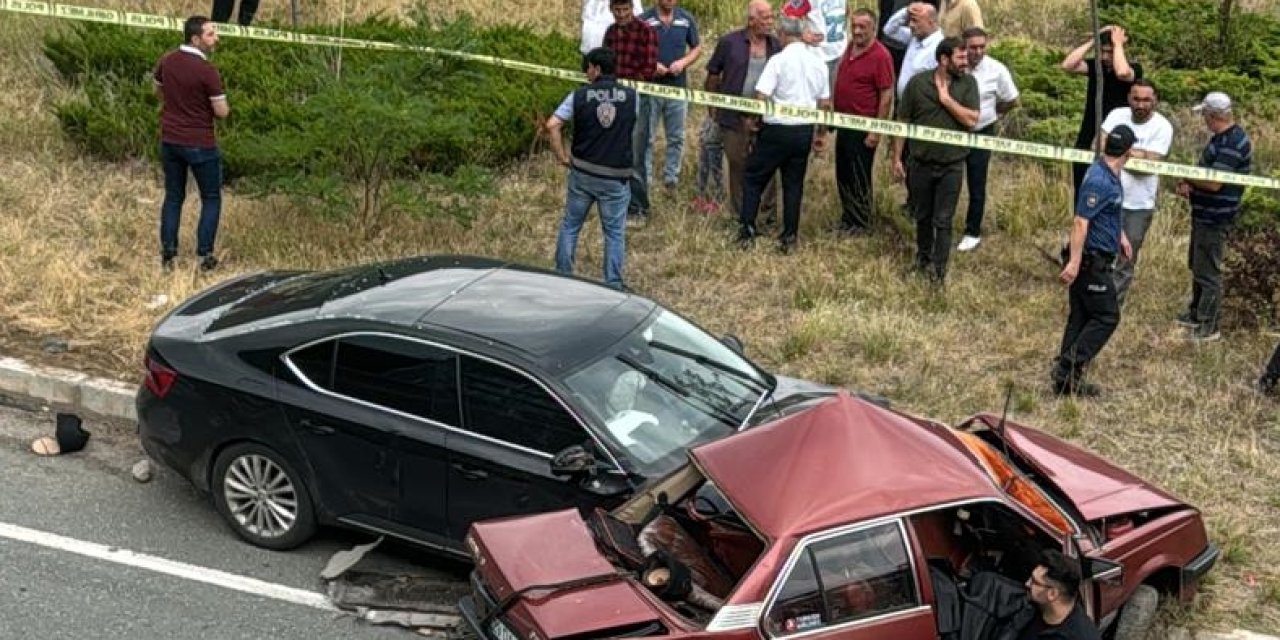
845 520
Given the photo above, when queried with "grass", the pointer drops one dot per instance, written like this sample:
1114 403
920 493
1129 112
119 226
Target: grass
78 259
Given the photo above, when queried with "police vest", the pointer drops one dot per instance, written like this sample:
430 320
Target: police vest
604 114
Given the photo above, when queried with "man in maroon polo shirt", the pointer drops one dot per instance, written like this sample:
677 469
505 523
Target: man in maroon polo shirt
864 87
191 94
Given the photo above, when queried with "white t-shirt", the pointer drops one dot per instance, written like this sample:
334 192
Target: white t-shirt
596 19
830 18
794 77
995 85
1154 135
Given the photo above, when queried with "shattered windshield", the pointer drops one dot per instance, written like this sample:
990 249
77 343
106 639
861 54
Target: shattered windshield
666 387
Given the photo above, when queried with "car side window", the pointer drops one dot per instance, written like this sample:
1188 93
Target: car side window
857 575
404 375
506 405
316 363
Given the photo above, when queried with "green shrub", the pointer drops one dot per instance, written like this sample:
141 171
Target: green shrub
315 120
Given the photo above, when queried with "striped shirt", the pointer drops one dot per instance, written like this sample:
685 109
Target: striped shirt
1227 151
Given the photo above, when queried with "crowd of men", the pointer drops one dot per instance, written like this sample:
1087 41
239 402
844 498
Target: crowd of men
923 63
930 68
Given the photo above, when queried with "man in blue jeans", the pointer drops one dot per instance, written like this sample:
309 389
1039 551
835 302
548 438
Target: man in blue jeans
191 94
604 114
678 47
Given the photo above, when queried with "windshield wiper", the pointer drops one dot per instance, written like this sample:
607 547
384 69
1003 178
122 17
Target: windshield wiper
708 362
764 397
682 393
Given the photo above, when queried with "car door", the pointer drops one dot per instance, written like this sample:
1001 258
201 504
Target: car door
859 583
500 461
346 440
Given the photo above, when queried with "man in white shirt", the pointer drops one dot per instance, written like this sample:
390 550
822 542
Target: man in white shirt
999 95
828 31
798 78
1154 136
596 18
916 28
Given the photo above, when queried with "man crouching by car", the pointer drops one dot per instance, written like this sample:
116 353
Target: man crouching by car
1053 588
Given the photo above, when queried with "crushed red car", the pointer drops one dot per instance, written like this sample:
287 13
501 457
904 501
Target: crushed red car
845 520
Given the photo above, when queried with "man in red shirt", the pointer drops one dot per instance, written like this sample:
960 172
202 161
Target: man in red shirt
635 44
191 94
864 87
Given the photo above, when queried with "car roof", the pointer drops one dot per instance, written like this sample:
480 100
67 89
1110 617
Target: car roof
843 461
551 319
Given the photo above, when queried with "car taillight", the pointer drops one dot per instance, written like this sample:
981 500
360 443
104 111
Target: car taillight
160 378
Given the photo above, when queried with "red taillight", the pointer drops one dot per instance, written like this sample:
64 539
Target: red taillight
160 378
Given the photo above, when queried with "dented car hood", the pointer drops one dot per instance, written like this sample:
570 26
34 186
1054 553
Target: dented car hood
1097 488
572 588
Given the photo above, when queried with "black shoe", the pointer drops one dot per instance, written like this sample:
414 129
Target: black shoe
1266 386
166 263
746 237
1186 319
208 262
1076 387
786 244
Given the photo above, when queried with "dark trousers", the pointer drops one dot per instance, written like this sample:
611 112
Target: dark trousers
779 148
1094 316
206 165
854 162
975 170
933 191
222 11
1205 260
1272 374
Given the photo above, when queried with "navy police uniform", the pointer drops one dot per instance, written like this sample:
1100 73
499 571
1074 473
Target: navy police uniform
1095 312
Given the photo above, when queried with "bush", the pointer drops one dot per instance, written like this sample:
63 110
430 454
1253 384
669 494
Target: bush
309 119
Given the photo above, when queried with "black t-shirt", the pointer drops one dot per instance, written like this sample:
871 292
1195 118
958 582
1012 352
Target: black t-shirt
1077 626
1115 94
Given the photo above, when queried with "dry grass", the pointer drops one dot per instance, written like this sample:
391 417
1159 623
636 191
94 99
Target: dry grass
78 258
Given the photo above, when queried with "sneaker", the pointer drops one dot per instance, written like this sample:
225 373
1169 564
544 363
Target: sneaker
1187 320
968 243
1205 333
208 262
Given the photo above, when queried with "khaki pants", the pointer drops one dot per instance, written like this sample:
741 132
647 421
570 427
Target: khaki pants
736 142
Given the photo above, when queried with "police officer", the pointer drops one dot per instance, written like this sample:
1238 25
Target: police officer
603 114
1096 237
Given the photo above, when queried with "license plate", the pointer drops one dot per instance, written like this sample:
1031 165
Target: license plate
500 631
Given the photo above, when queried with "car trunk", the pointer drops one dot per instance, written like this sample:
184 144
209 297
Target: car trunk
550 567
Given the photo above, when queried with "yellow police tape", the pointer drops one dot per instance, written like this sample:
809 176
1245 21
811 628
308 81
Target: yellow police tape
747 105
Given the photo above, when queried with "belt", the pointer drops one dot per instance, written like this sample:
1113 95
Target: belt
1098 256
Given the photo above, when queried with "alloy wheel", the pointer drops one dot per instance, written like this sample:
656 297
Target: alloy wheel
260 496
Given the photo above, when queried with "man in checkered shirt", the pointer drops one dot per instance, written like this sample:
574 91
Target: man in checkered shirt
635 44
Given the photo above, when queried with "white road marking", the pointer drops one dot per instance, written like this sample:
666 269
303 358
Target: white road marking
168 567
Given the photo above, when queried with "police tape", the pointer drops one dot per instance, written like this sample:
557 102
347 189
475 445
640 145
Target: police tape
717 100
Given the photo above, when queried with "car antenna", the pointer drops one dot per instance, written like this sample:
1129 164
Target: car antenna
1008 397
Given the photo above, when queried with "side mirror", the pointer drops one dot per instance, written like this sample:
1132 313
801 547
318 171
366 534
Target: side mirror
1103 570
733 342
574 461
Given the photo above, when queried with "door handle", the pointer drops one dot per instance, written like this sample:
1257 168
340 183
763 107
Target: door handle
316 428
469 472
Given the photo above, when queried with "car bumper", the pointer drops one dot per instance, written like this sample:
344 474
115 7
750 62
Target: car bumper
1200 565
467 607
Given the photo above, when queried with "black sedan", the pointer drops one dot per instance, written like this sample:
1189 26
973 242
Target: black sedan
411 398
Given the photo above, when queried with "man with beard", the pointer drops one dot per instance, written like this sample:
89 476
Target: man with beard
1117 76
1054 588
1155 135
946 98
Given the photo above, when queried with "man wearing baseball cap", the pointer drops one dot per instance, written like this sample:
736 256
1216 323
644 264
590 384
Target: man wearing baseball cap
1214 207
1097 236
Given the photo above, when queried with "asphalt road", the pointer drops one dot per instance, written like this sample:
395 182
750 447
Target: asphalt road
90 497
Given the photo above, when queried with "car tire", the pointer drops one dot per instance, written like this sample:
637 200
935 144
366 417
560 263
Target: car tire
1137 614
262 497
